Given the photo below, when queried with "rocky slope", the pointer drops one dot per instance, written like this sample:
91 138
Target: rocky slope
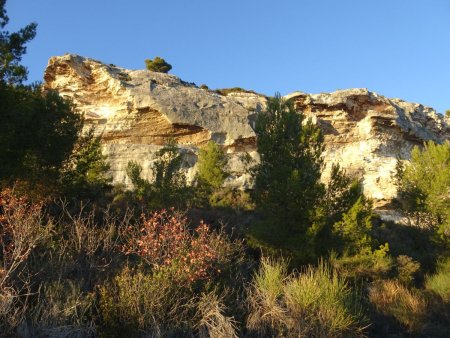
137 111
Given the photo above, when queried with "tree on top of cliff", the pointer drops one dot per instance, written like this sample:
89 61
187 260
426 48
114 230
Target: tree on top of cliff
158 65
12 48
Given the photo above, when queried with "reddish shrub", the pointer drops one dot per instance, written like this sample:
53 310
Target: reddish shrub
165 241
20 231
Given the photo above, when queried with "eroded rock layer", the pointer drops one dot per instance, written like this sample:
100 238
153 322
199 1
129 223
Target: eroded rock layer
137 111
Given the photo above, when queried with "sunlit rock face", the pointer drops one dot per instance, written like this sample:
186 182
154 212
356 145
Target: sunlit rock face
137 111
367 134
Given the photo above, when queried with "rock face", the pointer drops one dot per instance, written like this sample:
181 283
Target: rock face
137 111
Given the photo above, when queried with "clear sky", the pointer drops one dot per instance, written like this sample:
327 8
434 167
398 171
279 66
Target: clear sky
398 48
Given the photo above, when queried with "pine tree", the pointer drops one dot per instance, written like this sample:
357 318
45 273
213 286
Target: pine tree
425 184
287 186
12 48
211 165
158 65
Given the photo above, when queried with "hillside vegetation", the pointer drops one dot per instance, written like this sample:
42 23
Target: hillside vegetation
294 257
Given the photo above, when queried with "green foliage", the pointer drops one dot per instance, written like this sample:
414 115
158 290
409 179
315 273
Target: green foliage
158 65
340 195
169 187
439 283
37 134
287 186
86 173
212 162
406 269
12 48
38 130
354 229
232 199
315 303
425 184
447 113
373 266
137 301
226 91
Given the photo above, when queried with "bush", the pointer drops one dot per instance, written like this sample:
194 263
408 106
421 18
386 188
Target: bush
354 229
373 266
315 303
393 299
165 243
158 65
169 187
23 228
137 301
214 323
64 309
406 269
439 283
86 172
232 199
424 186
212 162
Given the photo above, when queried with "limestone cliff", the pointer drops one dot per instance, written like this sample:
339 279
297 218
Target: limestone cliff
138 110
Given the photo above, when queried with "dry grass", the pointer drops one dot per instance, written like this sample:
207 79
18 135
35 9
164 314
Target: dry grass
214 323
393 299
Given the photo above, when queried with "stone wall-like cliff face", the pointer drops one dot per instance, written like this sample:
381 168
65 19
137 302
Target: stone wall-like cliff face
137 111
367 133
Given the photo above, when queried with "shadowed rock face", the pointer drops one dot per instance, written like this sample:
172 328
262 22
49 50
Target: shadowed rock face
138 110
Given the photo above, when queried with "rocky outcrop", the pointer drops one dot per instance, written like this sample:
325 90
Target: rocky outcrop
367 134
138 110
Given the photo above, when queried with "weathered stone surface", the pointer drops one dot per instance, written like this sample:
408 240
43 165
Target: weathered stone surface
367 133
137 111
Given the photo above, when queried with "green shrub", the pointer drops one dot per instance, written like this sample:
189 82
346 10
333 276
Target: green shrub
226 91
229 198
315 303
212 162
169 187
372 266
439 283
354 229
158 65
137 301
406 269
86 172
424 186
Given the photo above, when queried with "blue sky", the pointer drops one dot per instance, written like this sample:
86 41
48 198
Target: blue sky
397 48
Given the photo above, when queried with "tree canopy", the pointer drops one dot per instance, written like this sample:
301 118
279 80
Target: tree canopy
158 64
287 185
12 48
38 130
425 183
